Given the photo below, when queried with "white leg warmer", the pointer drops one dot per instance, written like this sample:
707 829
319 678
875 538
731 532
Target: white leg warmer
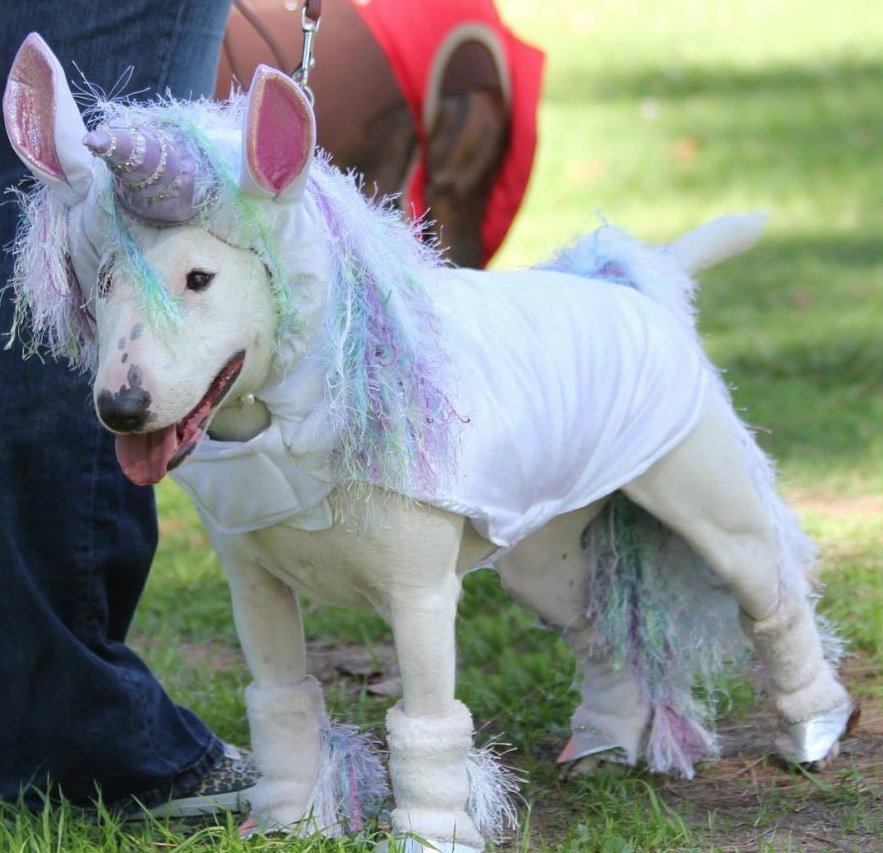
428 765
286 724
802 683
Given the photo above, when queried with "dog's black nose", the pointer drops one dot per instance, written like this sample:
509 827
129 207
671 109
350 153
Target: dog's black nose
125 411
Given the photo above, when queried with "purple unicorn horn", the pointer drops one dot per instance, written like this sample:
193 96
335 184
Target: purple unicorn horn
155 178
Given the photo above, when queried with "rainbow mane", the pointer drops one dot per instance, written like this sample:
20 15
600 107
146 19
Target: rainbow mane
385 362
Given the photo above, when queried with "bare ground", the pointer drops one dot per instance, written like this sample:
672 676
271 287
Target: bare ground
757 801
746 801
750 801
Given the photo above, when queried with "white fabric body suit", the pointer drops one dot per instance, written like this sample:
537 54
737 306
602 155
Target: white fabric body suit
565 389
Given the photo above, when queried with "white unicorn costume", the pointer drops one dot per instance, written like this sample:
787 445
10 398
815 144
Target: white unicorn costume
509 398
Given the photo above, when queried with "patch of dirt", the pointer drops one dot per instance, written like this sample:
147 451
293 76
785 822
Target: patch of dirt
215 656
373 667
352 667
746 801
839 506
750 799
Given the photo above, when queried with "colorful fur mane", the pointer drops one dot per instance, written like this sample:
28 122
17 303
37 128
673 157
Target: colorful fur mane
383 349
51 314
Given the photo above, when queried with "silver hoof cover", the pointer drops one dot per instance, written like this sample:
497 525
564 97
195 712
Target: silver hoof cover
815 739
587 741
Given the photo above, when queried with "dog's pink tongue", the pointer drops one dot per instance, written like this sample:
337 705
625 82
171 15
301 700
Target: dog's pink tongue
144 457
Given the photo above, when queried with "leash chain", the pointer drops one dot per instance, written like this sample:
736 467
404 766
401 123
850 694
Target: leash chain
309 21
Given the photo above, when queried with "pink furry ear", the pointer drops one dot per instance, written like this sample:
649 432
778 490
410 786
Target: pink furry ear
278 138
43 122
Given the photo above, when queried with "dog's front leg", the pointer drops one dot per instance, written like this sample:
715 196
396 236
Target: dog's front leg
285 707
429 732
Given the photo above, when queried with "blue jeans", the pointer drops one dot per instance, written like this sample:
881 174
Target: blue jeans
77 706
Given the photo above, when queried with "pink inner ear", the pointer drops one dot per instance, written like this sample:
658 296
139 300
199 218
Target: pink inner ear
29 109
280 133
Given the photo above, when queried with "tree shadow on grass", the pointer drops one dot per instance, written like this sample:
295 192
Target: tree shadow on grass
778 133
678 82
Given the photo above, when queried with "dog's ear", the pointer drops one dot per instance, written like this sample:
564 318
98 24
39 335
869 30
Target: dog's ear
278 137
44 123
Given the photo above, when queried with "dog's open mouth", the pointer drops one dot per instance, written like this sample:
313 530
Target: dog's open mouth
146 457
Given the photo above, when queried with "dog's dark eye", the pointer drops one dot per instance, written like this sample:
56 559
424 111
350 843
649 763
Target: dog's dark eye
199 280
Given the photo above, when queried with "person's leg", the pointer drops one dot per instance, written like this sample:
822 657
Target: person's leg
76 538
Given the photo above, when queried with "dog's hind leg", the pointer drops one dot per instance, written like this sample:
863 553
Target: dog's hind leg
702 490
285 707
548 574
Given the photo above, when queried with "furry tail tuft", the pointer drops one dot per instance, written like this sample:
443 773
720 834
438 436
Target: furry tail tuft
662 273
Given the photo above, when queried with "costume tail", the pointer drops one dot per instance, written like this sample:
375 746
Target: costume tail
663 273
663 615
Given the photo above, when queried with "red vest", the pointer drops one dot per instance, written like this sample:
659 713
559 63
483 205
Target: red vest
411 35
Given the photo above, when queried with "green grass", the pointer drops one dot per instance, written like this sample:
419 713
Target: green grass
657 115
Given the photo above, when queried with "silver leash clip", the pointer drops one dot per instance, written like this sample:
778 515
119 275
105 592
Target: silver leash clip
309 21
